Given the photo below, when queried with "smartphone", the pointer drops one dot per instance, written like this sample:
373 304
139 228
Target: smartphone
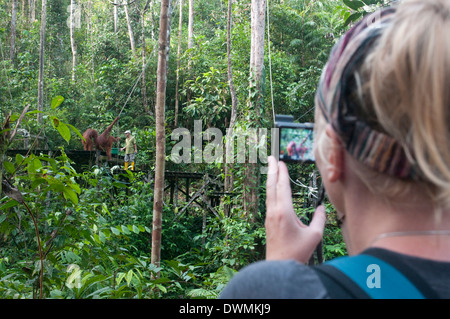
296 142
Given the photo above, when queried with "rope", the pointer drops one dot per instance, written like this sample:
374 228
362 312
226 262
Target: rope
135 84
129 95
132 88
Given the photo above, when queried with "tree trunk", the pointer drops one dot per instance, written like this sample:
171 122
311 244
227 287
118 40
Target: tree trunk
152 17
73 45
257 52
13 29
234 100
130 31
160 131
177 94
191 25
190 42
32 11
91 39
116 19
144 63
116 24
255 101
228 183
40 105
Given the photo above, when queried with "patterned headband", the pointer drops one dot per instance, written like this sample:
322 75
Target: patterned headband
373 148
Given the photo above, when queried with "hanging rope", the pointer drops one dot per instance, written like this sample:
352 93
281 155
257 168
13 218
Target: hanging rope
129 95
135 84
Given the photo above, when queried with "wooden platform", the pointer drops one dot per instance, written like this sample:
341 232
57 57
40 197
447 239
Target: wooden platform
80 157
199 188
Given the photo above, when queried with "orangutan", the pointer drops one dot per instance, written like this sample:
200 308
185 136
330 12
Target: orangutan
90 139
102 142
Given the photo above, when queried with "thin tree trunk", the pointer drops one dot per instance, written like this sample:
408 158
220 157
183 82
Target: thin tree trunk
73 45
160 131
152 16
190 42
32 6
228 183
40 105
258 11
13 29
116 24
255 101
130 31
143 86
91 38
234 100
177 94
116 19
191 25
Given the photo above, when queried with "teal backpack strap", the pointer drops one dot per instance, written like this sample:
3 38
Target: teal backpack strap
377 278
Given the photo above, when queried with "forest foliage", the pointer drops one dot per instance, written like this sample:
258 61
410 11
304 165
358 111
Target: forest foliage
71 231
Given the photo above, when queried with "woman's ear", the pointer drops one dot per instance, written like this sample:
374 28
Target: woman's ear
336 156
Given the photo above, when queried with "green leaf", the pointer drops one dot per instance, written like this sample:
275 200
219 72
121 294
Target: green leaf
19 159
37 182
64 130
34 112
56 185
354 4
129 276
76 188
9 204
70 194
162 288
119 277
97 239
9 167
115 231
125 230
136 229
102 237
73 128
354 17
372 2
56 101
33 166
119 185
55 121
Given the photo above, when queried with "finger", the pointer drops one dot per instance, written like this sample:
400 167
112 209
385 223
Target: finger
318 221
271 184
284 194
283 182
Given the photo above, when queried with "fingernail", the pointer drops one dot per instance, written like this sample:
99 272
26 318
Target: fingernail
271 161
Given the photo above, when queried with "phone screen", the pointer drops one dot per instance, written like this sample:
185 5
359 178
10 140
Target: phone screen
296 144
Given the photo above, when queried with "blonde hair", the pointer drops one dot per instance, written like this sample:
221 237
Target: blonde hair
403 88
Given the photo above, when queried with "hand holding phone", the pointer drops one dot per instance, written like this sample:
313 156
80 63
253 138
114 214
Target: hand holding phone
287 236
